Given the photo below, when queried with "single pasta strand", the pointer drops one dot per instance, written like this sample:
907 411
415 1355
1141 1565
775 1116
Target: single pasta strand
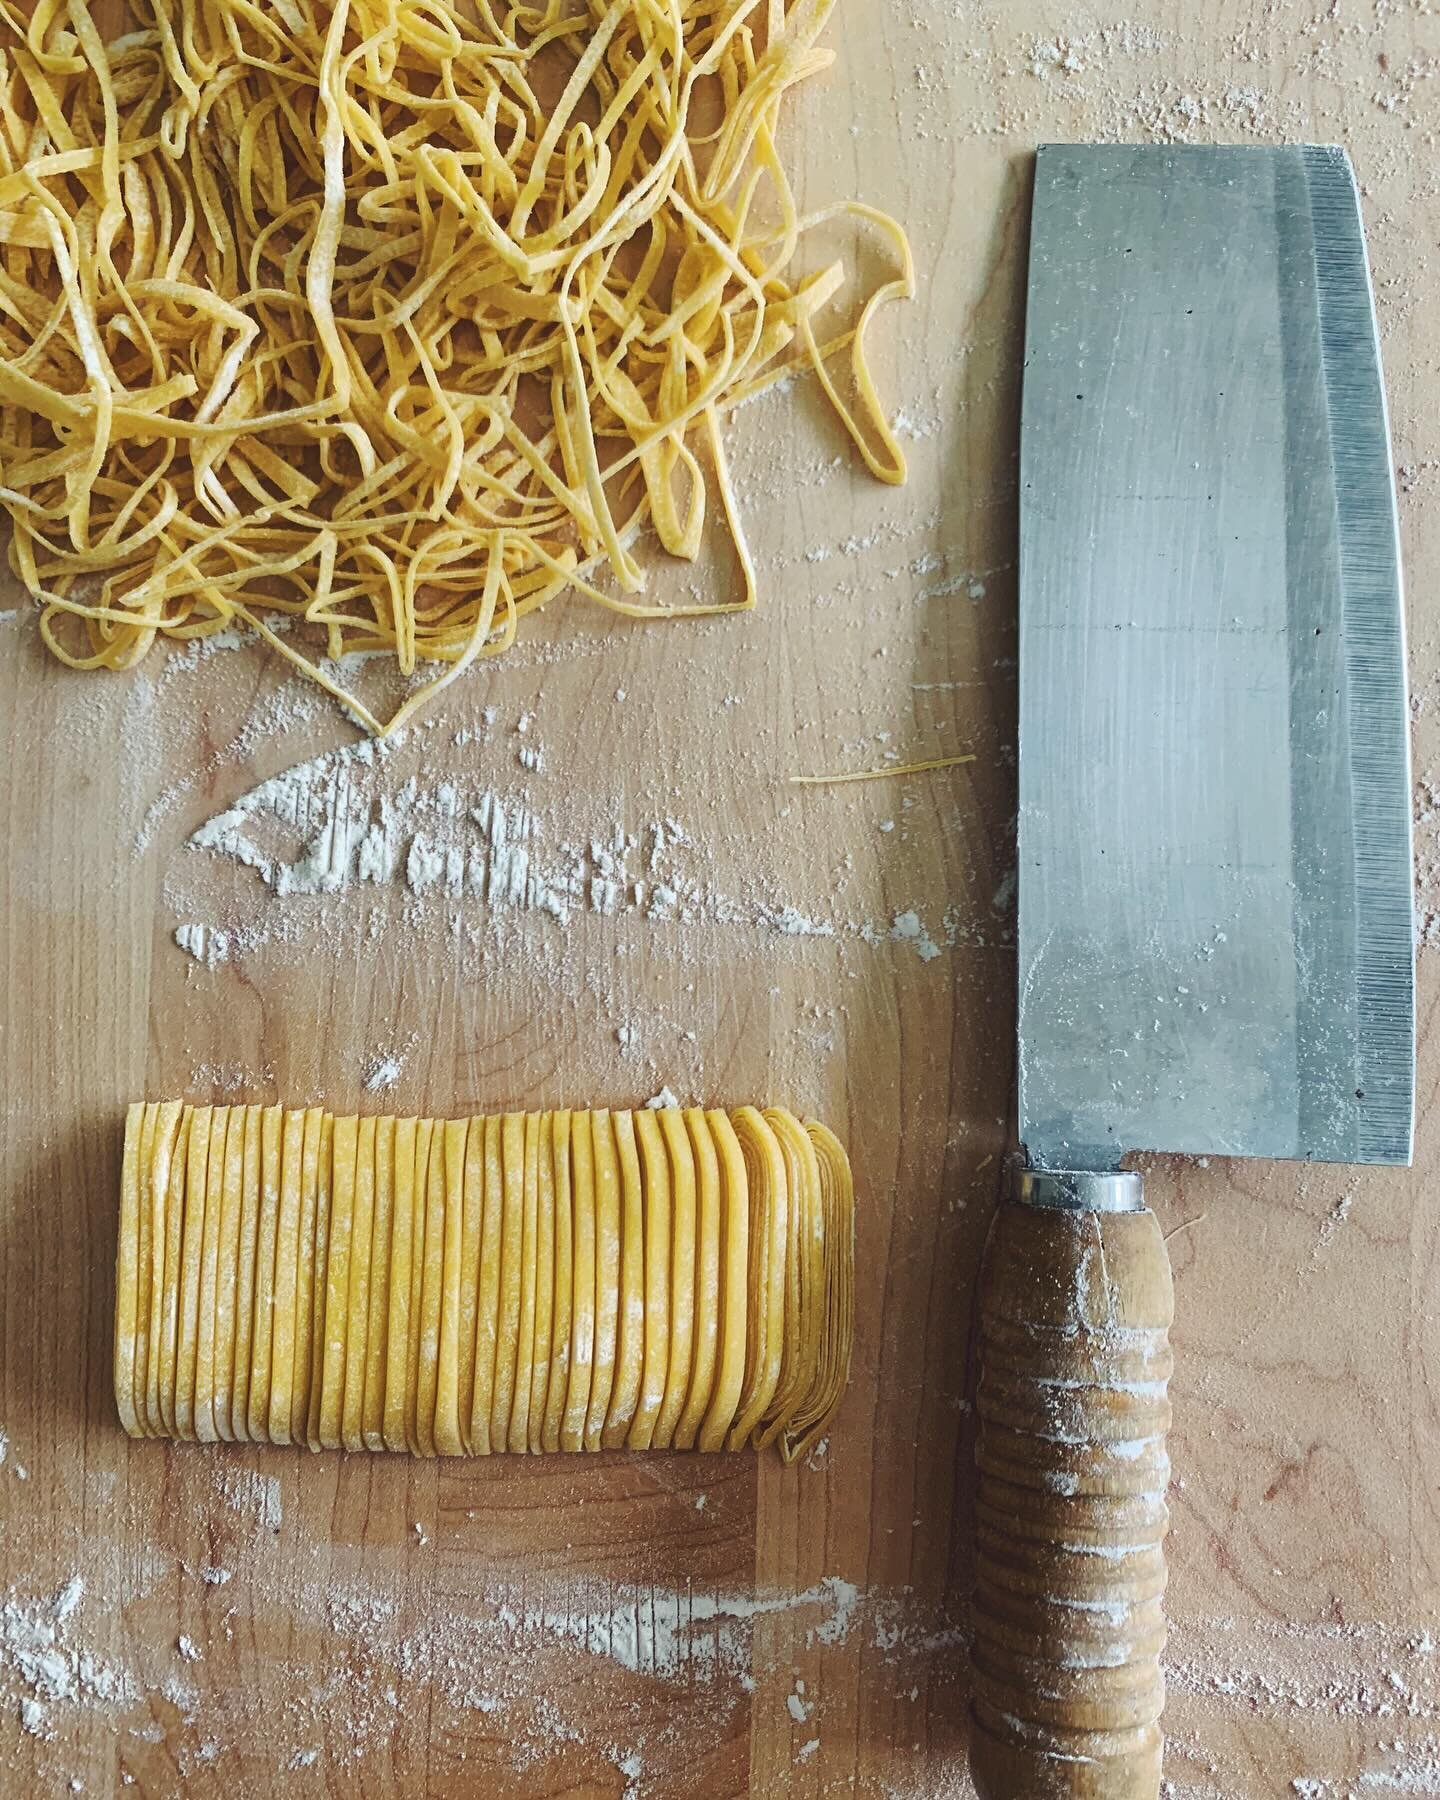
562 1287
512 1237
127 1274
227 1272
205 1427
262 1327
357 1310
287 1266
630 1342
708 1296
377 1325
487 1304
582 1286
734 1275
695 1268
544 1283
606 1167
167 1162
432 1290
654 1304
144 1257
402 1230
882 774
449 1440
419 1248
188 1185
320 1280
408 357
305 1371
518 1439
681 1348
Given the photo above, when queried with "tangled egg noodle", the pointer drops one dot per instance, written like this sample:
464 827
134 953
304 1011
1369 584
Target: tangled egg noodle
394 318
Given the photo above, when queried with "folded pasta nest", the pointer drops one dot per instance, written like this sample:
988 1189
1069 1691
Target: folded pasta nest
394 321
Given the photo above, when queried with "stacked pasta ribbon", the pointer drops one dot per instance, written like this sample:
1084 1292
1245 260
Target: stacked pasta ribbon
394 320
520 1282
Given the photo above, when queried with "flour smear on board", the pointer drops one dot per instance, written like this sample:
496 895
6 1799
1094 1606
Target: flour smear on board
339 824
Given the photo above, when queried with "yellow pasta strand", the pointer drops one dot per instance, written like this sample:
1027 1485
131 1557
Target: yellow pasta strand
544 1284
288 1262
357 1312
127 1274
402 1230
681 1160
306 1371
448 1438
188 1185
630 1341
522 1282
257 1418
432 1289
205 1360
167 1152
377 1324
706 1279
562 1288
653 1308
332 319
419 1249
227 1272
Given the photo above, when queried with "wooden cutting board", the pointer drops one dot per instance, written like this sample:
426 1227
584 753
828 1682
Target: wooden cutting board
248 1622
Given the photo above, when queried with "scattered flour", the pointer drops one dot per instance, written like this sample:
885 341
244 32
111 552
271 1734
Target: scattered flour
247 1491
206 943
41 1668
384 1068
332 825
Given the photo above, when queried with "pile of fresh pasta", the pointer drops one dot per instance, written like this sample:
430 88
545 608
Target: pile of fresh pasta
521 1282
394 321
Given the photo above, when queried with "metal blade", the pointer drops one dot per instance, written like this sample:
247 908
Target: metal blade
1216 939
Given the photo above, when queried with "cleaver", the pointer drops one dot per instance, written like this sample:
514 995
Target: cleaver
1215 912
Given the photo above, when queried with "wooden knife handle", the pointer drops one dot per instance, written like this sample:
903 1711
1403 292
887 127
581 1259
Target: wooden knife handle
1074 1317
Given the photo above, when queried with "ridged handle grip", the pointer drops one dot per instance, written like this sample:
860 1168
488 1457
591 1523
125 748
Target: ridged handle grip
1075 1361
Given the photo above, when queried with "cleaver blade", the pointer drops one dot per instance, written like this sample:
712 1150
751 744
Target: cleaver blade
1215 931
1215 909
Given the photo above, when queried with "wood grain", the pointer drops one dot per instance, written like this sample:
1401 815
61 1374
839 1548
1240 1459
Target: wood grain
589 1627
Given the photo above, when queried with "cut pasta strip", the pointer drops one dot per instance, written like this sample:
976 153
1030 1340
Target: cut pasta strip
447 1433
187 1210
227 1272
205 1361
487 1300
521 1282
512 1240
765 1176
288 1263
357 1312
681 1159
653 1307
630 1331
518 1440
708 1298
127 1273
372 1414
733 1322
306 1372
257 1416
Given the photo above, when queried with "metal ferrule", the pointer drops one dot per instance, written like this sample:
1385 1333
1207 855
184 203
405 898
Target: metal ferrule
1078 1190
